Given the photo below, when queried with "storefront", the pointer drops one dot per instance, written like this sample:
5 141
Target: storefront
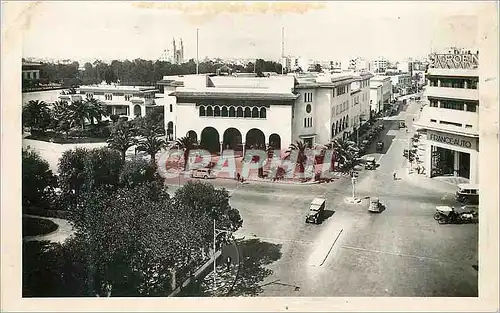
452 155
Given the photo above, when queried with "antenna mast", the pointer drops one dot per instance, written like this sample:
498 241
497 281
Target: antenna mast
282 50
197 57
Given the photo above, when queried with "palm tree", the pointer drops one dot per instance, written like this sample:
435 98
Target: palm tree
36 115
96 109
345 152
80 111
187 144
61 116
301 148
121 137
151 145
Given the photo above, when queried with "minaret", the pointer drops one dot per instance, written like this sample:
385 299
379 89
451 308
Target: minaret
182 53
174 52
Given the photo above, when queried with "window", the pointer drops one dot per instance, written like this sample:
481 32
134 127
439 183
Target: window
224 112
239 112
255 113
232 112
468 126
171 108
217 111
433 120
127 98
248 112
308 97
210 111
308 108
452 105
450 123
305 122
341 90
471 107
89 95
433 103
202 111
305 97
263 112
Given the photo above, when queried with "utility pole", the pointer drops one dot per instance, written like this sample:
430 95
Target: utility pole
197 57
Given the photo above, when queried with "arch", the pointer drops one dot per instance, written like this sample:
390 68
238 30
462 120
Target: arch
210 111
217 111
255 139
347 120
137 110
192 134
239 112
255 112
171 108
202 111
210 140
248 112
337 127
263 113
232 139
170 130
232 112
333 129
224 112
275 141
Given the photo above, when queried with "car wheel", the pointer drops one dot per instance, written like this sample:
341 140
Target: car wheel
205 177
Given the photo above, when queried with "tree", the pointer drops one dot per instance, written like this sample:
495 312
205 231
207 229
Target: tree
345 152
135 238
80 111
187 144
122 137
139 171
96 109
83 170
38 180
36 116
61 116
148 129
301 148
204 201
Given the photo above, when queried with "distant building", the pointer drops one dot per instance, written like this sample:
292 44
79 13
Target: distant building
175 55
31 70
378 65
401 83
386 89
129 101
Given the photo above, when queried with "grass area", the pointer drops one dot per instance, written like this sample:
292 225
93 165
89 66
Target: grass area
58 138
37 226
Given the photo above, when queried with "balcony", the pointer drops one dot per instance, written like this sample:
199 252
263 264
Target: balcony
457 72
452 93
447 120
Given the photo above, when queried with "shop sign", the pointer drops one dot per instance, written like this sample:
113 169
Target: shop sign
450 140
466 61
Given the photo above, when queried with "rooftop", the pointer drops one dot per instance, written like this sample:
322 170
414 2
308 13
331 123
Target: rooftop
232 93
116 88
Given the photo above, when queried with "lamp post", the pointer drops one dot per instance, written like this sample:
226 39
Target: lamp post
179 164
353 180
216 233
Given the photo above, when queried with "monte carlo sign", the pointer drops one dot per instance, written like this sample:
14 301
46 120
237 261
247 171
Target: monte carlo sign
463 60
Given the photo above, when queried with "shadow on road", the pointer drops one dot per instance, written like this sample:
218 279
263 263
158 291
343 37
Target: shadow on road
326 215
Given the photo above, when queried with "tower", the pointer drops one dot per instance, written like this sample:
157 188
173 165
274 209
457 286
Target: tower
174 52
181 56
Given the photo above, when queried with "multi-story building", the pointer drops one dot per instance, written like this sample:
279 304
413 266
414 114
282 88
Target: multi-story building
376 97
386 89
129 101
378 65
227 112
401 82
451 120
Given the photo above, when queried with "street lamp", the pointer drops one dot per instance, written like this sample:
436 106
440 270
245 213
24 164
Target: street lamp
216 233
353 180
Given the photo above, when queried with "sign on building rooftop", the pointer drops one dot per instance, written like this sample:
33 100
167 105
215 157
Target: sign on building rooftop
452 61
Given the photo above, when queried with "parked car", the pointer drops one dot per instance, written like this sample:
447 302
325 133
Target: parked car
380 145
204 173
375 205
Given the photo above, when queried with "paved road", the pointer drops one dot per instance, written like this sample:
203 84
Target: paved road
400 252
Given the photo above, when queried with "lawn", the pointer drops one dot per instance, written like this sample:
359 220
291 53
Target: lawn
37 226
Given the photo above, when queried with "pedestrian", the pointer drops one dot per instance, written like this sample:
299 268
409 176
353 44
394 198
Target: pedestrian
394 175
228 263
418 169
238 176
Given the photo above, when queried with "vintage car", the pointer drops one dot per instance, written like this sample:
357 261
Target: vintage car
467 193
204 173
316 211
375 206
370 163
380 145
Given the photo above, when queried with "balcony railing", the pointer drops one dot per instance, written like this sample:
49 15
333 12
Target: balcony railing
449 120
452 93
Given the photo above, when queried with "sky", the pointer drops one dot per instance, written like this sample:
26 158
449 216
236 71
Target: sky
314 30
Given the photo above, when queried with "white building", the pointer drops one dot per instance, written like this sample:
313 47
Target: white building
401 82
227 112
128 101
451 121
378 65
386 89
376 97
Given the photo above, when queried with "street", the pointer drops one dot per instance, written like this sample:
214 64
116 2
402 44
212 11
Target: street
400 252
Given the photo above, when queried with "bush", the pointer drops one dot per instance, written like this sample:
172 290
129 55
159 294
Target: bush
114 118
139 171
123 118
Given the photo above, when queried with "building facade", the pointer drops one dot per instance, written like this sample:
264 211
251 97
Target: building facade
401 83
378 65
376 99
31 71
128 101
238 113
451 120
386 89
